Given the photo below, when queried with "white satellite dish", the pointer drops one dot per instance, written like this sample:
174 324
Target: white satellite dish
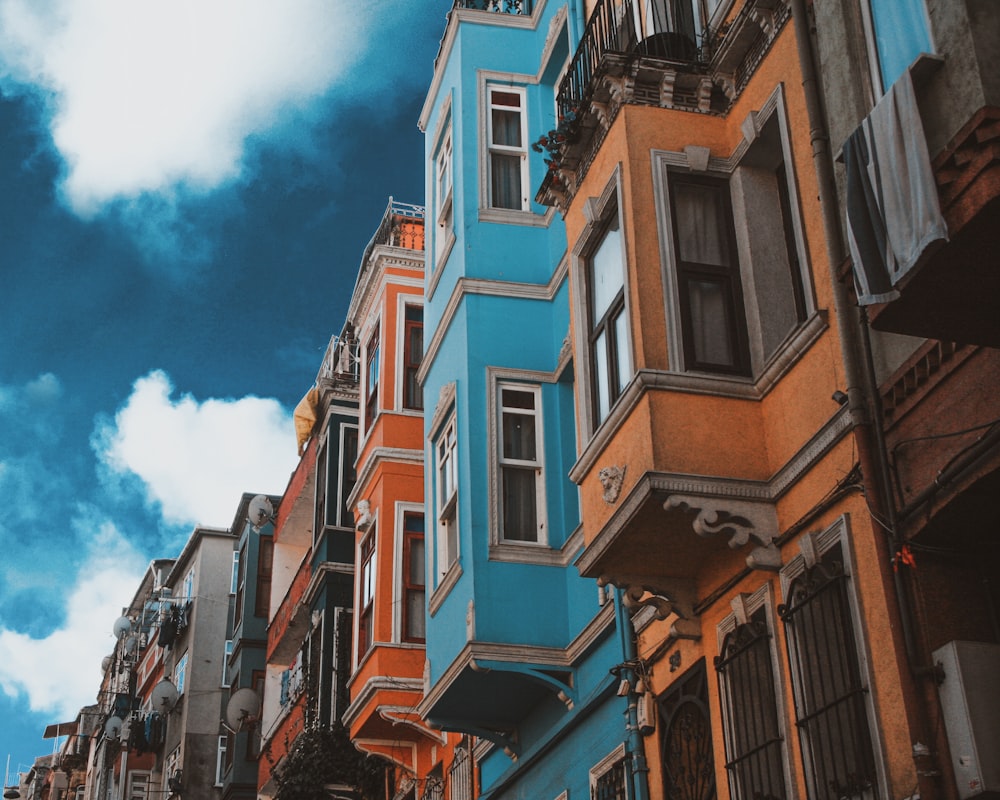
164 696
131 643
260 511
113 727
122 626
106 662
242 709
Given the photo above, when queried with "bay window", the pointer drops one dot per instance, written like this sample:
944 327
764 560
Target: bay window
507 167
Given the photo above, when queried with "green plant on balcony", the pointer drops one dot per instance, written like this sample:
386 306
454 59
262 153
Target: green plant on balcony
323 757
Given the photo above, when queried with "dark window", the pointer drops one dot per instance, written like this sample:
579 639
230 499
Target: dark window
265 557
414 581
686 738
826 678
507 150
366 604
750 704
609 339
371 382
413 351
610 784
520 464
240 586
349 474
713 322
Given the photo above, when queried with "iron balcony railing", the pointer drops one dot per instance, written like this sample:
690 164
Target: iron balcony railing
497 6
402 226
625 27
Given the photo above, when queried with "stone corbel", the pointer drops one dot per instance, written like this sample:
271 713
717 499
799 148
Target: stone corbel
739 520
705 86
603 114
667 88
727 82
666 595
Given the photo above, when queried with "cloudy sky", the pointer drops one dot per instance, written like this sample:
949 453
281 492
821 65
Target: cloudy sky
186 187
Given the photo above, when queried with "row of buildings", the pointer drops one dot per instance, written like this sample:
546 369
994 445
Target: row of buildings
655 456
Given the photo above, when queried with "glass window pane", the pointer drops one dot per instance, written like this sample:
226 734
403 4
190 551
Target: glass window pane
506 127
606 273
624 364
415 615
601 376
519 512
710 327
519 436
416 576
506 179
701 232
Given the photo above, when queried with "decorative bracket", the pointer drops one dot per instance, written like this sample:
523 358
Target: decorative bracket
739 520
666 595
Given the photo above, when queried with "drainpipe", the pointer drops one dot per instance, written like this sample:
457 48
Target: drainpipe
639 771
576 23
862 386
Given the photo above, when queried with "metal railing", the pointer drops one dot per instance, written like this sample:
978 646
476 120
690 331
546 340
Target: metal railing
618 27
497 6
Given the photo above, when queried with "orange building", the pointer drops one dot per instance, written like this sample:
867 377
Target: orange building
724 431
386 319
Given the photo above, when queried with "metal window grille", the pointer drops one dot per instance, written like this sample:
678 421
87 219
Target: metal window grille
826 677
747 690
686 744
460 775
610 785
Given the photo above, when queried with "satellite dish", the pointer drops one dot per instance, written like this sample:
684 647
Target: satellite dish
164 696
260 511
113 727
242 709
122 626
106 662
131 643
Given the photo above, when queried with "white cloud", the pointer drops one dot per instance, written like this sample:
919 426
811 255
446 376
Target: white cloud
60 672
149 96
196 458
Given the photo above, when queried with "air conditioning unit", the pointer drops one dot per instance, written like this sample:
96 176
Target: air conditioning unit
970 700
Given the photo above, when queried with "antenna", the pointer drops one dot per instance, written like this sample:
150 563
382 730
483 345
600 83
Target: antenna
259 512
243 709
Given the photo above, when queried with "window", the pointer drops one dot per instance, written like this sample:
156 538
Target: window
447 486
608 779
220 760
443 194
172 764
686 754
413 351
900 34
188 586
240 585
348 473
265 559
180 673
138 785
234 581
610 360
227 651
708 275
508 152
736 267
366 604
413 577
371 379
522 488
747 690
831 705
460 772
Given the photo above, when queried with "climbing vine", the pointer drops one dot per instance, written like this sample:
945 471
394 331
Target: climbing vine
321 756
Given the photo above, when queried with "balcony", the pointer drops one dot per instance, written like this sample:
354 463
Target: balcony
648 53
290 624
497 6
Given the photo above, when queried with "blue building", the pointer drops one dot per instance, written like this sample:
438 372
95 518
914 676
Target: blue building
522 652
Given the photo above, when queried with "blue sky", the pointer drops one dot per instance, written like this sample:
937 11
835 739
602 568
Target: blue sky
186 187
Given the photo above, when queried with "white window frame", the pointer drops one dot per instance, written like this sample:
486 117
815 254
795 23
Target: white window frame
442 235
598 210
444 188
509 150
220 760
137 778
234 581
816 544
363 591
604 766
537 464
188 585
375 328
180 673
227 651
446 484
744 607
399 566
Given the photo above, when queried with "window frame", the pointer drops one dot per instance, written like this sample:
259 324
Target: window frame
234 580
373 373
410 366
613 760
265 573
503 464
446 483
220 759
407 588
367 592
227 651
504 150
746 607
814 546
180 672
